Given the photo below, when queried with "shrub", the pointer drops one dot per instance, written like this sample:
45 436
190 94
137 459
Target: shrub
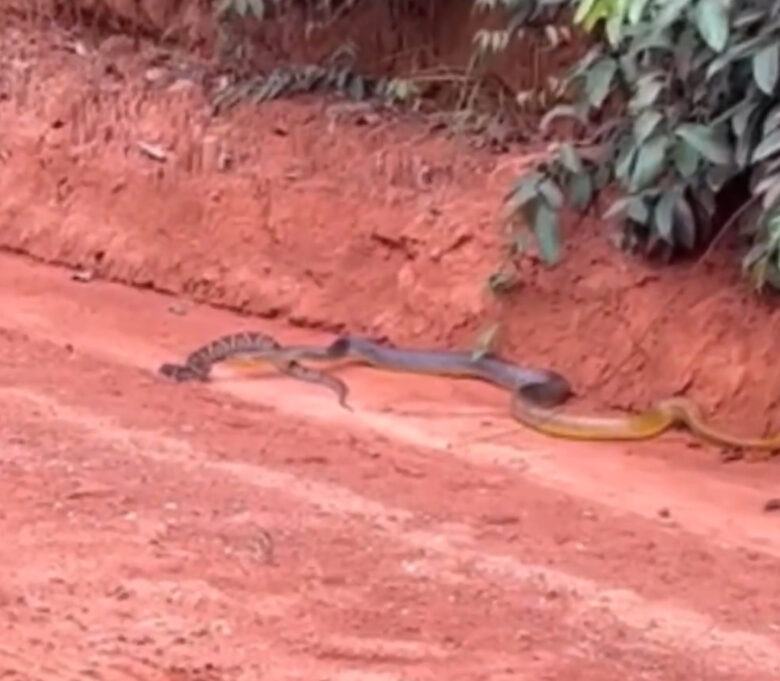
693 85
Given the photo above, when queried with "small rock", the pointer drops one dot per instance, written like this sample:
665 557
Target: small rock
181 85
180 309
83 276
772 505
155 74
499 519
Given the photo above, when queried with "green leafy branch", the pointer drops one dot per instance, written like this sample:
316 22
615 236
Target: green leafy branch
694 83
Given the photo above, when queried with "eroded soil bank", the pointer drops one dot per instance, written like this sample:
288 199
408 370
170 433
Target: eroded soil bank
330 218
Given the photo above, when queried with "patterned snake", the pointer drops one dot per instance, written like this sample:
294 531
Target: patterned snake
535 392
197 365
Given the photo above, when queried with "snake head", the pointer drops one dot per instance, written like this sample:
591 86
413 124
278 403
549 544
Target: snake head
339 347
551 392
180 372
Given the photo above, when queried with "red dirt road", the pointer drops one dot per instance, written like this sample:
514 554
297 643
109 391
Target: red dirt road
137 516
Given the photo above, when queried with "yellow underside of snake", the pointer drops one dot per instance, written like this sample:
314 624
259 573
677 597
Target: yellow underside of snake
536 393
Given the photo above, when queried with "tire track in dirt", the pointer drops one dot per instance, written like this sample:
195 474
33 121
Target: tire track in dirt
658 626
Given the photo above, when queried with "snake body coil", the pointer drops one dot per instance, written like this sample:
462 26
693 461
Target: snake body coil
535 392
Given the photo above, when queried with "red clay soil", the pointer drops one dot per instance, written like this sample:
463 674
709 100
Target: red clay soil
250 528
253 529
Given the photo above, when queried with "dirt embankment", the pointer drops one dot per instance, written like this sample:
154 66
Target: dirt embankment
331 218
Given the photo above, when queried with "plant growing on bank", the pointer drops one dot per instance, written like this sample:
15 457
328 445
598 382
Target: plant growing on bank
694 84
470 99
678 100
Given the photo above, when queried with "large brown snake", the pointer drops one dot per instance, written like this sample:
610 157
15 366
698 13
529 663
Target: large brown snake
535 392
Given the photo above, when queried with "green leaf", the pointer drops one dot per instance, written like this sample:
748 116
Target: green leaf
599 80
524 191
570 158
357 89
594 10
646 92
580 190
624 164
712 22
633 207
684 223
741 117
770 188
618 207
649 162
672 9
768 146
645 124
524 188
654 40
702 138
615 17
717 176
734 53
638 211
551 193
546 230
685 158
766 66
755 262
628 67
686 50
705 199
614 29
758 251
749 137
615 21
664 216
770 167
771 121
583 9
635 10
